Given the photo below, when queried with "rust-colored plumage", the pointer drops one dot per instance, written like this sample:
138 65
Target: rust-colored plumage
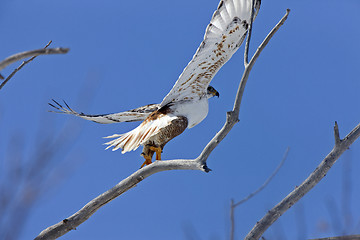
186 105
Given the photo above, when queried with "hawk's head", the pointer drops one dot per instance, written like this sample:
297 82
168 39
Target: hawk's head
211 92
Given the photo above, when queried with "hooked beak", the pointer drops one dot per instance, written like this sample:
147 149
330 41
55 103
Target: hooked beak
217 94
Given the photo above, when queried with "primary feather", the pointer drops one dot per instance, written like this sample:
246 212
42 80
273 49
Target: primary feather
186 104
223 37
137 114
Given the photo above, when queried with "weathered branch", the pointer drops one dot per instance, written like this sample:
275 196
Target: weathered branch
267 181
249 66
89 209
20 56
232 117
199 163
247 44
341 145
232 220
349 237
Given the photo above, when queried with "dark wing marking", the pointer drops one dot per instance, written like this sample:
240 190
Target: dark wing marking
223 37
137 114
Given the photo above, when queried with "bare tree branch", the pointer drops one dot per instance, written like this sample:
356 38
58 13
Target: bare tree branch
249 66
267 181
37 52
232 220
247 44
232 117
341 145
33 53
25 178
199 163
89 209
350 237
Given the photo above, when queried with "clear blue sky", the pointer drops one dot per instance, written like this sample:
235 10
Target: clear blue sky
126 54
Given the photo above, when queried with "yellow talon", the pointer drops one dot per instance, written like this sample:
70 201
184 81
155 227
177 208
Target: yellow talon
147 161
158 151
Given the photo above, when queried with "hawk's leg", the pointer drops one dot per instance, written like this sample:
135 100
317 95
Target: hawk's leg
158 151
147 160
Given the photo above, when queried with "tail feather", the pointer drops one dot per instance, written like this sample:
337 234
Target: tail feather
130 141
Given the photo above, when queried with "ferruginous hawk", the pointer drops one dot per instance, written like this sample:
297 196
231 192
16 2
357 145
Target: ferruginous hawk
186 105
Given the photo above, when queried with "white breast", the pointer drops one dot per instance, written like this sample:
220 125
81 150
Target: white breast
194 111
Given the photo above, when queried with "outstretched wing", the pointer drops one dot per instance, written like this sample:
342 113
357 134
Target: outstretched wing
137 114
223 36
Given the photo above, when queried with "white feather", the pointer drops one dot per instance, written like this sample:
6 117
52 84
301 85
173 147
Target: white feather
132 140
222 38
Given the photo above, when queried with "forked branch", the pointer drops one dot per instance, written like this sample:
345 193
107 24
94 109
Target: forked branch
267 181
33 54
199 163
348 237
341 145
234 205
